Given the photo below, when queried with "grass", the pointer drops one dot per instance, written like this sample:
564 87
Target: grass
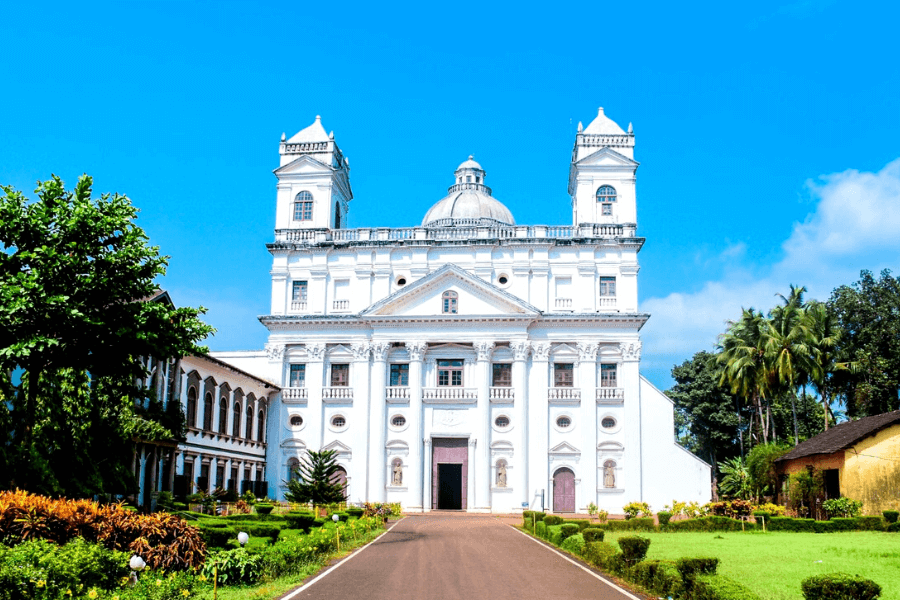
773 564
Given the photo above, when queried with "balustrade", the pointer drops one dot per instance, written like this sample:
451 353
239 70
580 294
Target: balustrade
340 305
502 394
564 394
607 303
342 392
396 393
294 394
298 305
563 304
449 394
610 395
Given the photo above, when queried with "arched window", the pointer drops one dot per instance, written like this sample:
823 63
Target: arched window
609 474
223 415
248 431
606 193
303 205
340 477
292 465
236 420
207 412
337 215
192 407
261 426
450 301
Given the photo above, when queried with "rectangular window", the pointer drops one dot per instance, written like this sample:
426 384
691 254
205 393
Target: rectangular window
340 375
606 209
298 291
298 376
608 375
563 374
450 372
400 374
502 376
608 286
303 211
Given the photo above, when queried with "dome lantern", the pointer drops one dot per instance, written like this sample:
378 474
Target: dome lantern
468 201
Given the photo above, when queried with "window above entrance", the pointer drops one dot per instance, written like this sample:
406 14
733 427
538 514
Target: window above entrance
450 373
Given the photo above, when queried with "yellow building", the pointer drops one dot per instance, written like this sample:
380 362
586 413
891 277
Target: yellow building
859 459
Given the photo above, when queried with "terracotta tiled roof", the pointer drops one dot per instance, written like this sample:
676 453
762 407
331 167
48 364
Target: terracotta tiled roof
843 436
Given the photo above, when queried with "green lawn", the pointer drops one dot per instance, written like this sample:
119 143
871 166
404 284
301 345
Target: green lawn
773 564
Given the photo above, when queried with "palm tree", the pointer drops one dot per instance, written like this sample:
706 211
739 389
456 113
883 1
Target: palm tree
827 356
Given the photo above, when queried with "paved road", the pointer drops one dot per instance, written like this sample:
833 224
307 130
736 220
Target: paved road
457 557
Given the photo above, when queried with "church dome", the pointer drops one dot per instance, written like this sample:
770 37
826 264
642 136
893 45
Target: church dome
468 202
603 125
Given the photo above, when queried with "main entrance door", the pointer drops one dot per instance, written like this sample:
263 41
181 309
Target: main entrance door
449 473
564 491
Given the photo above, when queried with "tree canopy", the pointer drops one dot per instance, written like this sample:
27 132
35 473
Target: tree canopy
317 479
75 332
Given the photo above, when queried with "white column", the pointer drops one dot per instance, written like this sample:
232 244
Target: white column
485 350
470 475
315 378
416 354
631 381
360 385
587 380
538 425
378 424
426 474
520 389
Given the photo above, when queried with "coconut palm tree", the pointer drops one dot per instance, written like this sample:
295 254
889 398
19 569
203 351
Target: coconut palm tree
827 356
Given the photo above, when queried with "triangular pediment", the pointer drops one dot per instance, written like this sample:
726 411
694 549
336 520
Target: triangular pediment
475 298
607 157
564 448
303 165
339 448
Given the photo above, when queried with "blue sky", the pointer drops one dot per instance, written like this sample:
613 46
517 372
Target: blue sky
768 133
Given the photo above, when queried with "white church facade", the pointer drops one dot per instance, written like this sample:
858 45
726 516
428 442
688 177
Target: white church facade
469 362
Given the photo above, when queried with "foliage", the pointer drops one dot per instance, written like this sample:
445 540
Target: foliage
592 510
763 478
890 515
635 509
839 586
597 553
636 524
658 576
842 507
232 567
776 510
719 587
602 516
540 530
159 585
73 273
634 547
573 544
316 482
697 565
553 520
264 508
803 488
300 520
709 523
568 530
592 534
732 509
664 518
735 480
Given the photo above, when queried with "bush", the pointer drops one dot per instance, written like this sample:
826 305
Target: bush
598 553
894 527
718 587
553 520
573 544
664 518
658 576
637 524
540 530
567 530
592 534
842 507
539 516
842 524
789 524
635 509
890 515
582 523
264 509
300 520
265 530
634 547
839 586
731 509
555 534
256 518
233 567
869 523
690 567
217 537
355 512
710 524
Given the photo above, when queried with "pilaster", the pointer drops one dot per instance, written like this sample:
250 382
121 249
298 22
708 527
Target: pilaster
315 379
634 427
587 380
485 350
378 423
538 424
520 385
416 351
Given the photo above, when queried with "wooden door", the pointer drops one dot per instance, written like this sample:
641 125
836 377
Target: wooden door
564 491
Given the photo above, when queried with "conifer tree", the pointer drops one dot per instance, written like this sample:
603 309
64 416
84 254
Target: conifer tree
317 479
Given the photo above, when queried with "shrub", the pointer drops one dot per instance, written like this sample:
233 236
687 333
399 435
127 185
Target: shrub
264 509
634 547
540 530
233 566
592 534
842 507
617 564
265 530
635 509
697 565
894 527
869 523
354 511
890 515
776 510
555 534
300 520
573 544
842 524
568 530
664 518
839 586
553 520
637 524
718 587
602 516
582 523
789 524
539 516
709 524
598 553
658 576
217 537
342 516
731 508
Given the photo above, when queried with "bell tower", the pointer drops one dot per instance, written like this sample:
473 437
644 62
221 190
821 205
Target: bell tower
313 181
602 174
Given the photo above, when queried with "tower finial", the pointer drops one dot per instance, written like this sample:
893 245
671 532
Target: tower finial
630 128
471 157
580 127
283 137
599 111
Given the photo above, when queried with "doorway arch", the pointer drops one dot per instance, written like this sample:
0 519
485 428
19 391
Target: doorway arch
564 490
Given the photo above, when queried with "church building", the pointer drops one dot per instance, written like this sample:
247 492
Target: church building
468 362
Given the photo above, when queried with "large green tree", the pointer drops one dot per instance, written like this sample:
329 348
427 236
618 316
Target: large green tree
74 273
869 315
316 479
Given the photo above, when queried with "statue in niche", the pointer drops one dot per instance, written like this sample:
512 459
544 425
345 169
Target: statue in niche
609 474
501 474
397 478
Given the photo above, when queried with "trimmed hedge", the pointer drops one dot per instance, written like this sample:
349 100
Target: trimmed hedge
582 523
658 576
355 512
573 544
217 537
839 586
691 566
568 530
540 530
637 524
592 534
890 515
663 517
870 523
264 509
719 587
598 553
894 527
712 523
255 517
553 520
300 520
634 547
555 536
265 530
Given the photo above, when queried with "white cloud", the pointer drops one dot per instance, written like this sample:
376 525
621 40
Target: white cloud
855 225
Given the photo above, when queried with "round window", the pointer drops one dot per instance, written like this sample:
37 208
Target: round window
338 421
398 421
296 420
401 281
503 279
563 422
608 423
501 421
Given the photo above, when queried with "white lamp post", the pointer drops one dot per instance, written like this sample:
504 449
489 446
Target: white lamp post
337 533
243 538
137 564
